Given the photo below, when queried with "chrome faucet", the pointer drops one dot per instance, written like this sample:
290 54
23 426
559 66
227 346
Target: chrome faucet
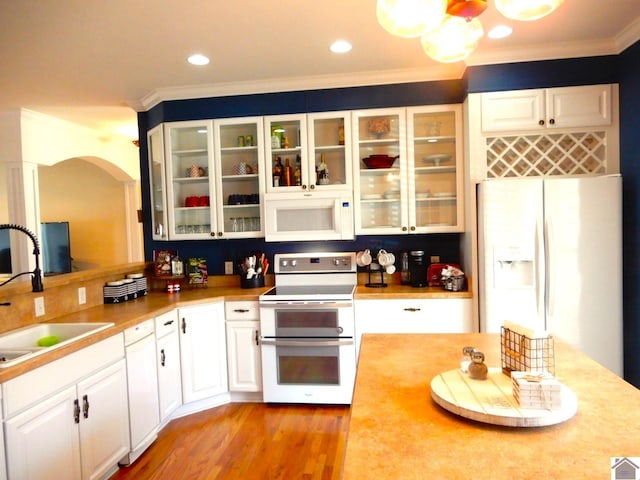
36 275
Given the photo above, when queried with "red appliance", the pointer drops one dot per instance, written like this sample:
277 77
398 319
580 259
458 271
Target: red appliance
434 272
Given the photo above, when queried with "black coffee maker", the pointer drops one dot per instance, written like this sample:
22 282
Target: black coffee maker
418 268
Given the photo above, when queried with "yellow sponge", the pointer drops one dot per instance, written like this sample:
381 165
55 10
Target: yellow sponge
48 341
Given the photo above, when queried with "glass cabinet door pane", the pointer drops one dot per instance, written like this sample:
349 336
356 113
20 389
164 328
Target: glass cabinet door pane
330 150
190 189
379 153
434 152
286 154
239 145
157 178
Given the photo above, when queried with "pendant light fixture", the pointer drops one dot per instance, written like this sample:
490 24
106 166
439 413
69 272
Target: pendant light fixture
526 10
410 18
453 40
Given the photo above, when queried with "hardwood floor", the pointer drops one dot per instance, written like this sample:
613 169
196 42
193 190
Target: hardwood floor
248 441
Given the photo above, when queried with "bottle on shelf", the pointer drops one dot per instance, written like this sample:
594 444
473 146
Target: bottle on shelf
287 174
277 173
323 171
297 172
341 134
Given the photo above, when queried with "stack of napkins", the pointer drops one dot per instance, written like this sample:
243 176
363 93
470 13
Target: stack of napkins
537 390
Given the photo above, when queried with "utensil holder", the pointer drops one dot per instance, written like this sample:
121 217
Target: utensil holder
453 284
253 282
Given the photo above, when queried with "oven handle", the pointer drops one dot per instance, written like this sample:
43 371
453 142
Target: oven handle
312 303
302 343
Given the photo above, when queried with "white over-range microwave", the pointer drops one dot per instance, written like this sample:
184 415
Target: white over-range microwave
309 216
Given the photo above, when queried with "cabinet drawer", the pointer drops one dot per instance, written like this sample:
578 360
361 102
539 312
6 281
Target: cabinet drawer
166 323
242 311
133 334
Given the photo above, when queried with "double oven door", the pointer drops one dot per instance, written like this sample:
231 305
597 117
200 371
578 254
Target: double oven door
308 352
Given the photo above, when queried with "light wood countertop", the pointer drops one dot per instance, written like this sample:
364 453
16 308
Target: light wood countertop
132 312
398 432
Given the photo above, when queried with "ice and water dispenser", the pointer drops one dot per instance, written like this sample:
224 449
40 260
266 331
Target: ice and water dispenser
513 267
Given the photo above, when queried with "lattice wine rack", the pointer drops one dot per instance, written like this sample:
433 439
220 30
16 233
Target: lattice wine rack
576 153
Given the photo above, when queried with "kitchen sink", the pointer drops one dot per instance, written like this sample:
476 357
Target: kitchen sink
22 344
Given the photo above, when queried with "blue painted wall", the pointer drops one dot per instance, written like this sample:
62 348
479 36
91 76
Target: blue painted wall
623 69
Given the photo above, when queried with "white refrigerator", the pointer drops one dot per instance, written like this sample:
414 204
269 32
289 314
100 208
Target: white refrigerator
550 257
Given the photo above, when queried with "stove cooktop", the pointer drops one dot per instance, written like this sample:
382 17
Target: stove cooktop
309 292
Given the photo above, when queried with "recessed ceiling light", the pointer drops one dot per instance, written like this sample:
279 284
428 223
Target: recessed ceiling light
340 46
198 59
500 31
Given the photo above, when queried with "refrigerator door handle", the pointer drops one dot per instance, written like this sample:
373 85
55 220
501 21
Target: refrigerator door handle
538 265
547 277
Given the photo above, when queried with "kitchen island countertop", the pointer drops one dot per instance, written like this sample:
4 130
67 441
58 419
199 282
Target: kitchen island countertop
398 432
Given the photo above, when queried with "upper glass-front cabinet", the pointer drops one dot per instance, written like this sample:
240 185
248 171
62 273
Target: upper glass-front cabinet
408 162
239 153
155 142
190 180
435 157
308 152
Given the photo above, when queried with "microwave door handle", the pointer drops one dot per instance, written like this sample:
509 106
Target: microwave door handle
303 343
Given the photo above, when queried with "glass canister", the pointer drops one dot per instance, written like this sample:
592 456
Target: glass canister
418 268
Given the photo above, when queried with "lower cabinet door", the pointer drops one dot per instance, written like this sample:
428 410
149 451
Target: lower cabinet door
104 425
43 442
243 356
169 378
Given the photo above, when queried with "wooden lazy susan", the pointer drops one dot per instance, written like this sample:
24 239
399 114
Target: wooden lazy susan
492 400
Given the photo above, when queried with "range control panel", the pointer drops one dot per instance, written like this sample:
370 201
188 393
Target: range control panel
325 262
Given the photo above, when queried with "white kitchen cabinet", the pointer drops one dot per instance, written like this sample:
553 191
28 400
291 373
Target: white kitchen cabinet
318 145
550 108
168 361
239 157
203 351
421 192
69 419
142 387
243 347
438 315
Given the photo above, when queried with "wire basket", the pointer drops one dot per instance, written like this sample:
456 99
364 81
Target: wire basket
453 284
520 353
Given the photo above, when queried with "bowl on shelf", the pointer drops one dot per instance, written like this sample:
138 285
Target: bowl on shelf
379 161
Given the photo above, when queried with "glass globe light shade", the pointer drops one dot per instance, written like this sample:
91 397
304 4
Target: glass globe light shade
410 18
453 40
526 10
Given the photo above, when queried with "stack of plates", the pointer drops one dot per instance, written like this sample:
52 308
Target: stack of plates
437 158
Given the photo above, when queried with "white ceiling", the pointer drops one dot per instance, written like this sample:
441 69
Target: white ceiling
95 62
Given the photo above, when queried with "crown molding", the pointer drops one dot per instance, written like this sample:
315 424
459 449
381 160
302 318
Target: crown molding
359 79
628 36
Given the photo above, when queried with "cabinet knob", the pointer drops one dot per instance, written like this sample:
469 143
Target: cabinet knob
304 187
219 234
552 121
541 122
213 234
404 229
413 228
311 187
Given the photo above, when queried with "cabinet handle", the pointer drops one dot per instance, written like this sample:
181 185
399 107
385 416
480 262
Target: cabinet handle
162 357
76 411
184 325
219 234
213 234
166 324
304 187
413 228
541 122
241 310
404 229
411 309
257 338
311 187
552 121
85 406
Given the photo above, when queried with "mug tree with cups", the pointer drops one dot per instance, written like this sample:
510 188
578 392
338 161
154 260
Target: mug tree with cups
384 263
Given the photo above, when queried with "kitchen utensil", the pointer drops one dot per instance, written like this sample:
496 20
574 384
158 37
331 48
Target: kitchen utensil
379 161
